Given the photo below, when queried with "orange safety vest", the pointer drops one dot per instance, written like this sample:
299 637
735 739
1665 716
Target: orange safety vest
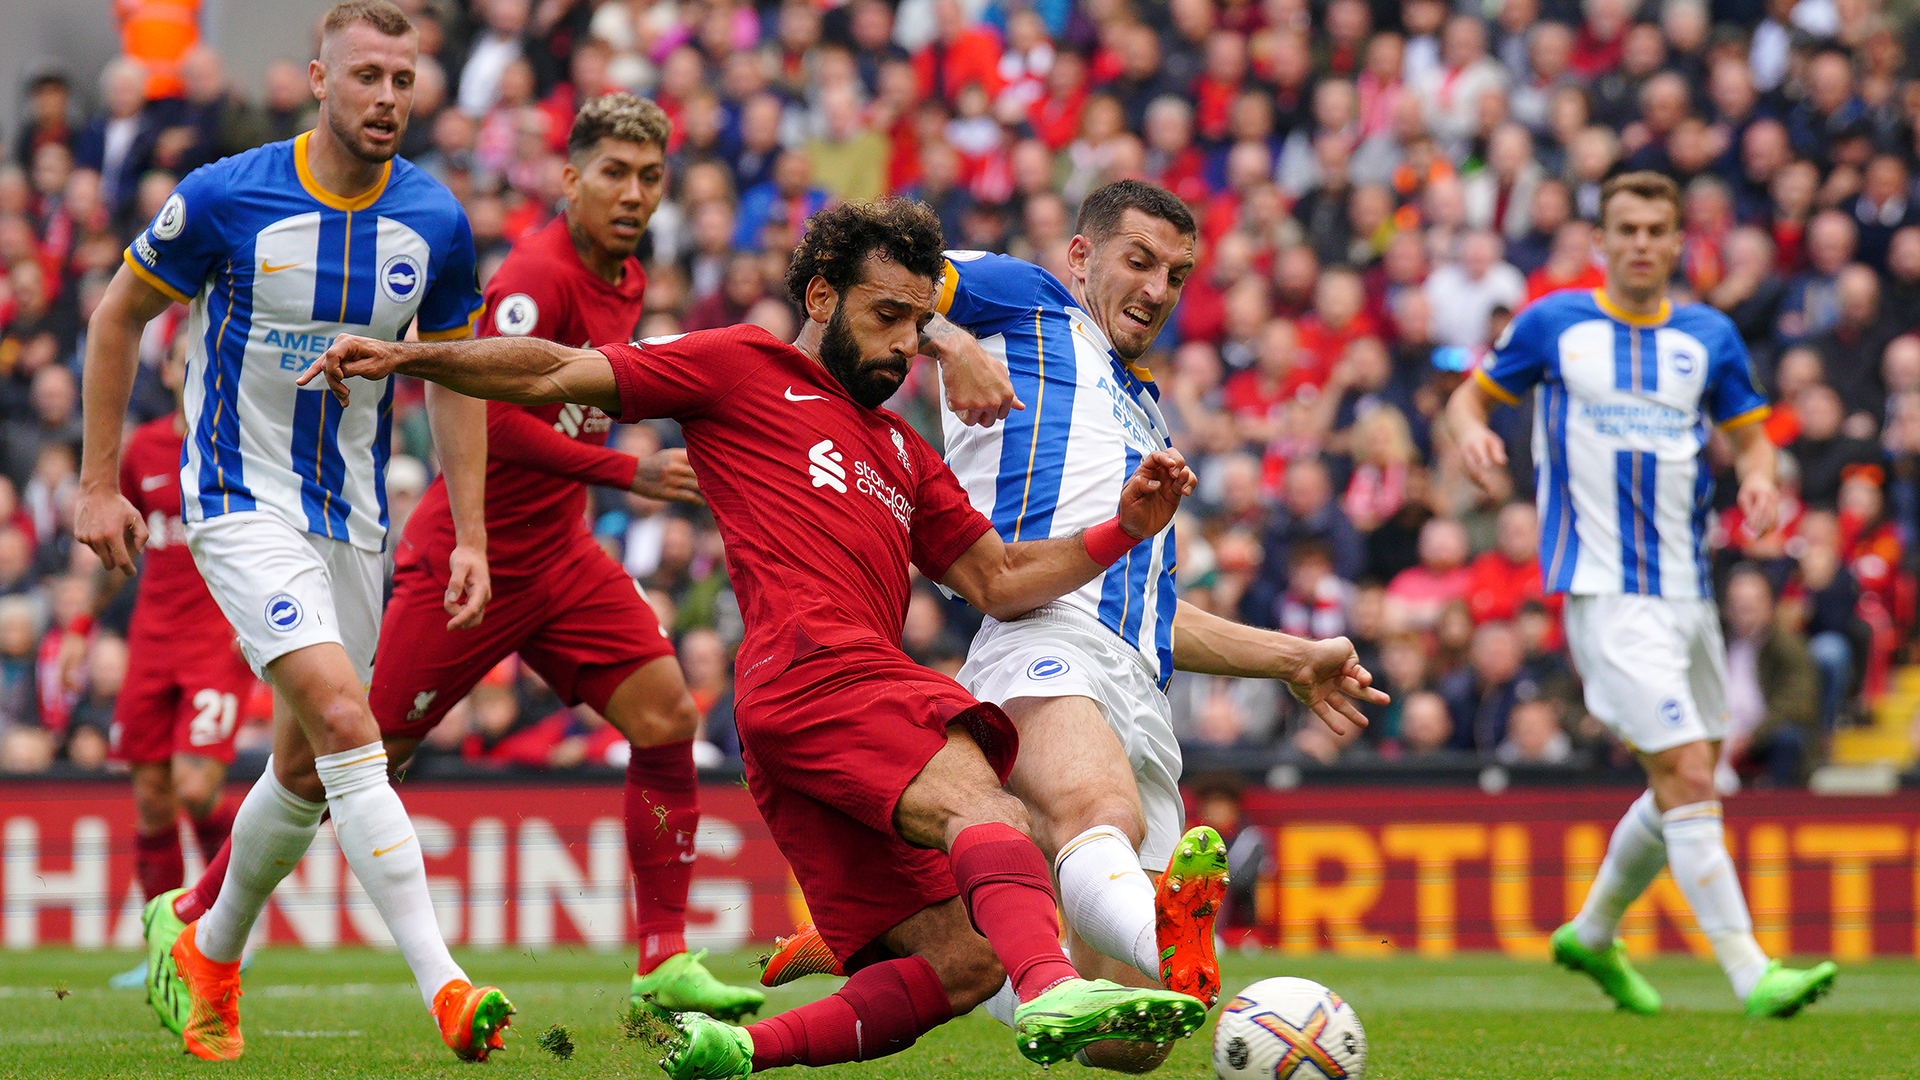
158 33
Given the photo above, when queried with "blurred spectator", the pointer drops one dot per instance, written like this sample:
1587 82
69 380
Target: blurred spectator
1772 687
1426 725
1482 696
49 120
1503 579
1463 294
118 142
1823 451
1217 802
1417 595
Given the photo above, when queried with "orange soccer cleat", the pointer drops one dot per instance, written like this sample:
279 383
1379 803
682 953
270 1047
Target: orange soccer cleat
212 1029
1187 897
471 1018
802 953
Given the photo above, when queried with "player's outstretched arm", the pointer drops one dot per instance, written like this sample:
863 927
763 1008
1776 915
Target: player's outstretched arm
976 385
1326 676
1482 451
1008 580
103 519
523 370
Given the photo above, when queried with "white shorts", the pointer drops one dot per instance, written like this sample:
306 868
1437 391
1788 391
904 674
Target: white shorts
1057 652
285 589
1655 668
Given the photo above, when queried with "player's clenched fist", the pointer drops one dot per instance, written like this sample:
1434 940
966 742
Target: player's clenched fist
351 357
106 522
1154 492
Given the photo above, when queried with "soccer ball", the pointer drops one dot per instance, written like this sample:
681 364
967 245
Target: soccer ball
1289 1029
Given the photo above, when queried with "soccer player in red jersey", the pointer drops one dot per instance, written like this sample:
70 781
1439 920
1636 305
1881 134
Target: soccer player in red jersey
186 680
570 611
881 780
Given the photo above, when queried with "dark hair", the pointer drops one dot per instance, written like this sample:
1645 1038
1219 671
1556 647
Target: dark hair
840 240
379 14
1645 183
617 116
1100 215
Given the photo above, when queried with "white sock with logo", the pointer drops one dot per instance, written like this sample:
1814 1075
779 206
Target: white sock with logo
271 831
1697 855
1108 899
378 840
1634 857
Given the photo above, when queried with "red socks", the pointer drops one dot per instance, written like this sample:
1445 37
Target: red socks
194 903
1004 882
881 1010
157 861
213 829
662 813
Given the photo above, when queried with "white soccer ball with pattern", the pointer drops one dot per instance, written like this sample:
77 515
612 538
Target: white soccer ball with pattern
1289 1029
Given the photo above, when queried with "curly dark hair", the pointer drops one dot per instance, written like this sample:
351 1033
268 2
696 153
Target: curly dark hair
839 242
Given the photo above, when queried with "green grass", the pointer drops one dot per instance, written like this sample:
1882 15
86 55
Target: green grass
354 1014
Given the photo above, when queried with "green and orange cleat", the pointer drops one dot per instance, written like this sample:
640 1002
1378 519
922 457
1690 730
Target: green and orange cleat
802 953
701 1048
471 1018
165 993
1066 1019
1609 968
211 1028
1784 991
1186 899
683 984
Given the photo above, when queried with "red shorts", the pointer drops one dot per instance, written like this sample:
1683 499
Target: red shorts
829 745
583 625
181 696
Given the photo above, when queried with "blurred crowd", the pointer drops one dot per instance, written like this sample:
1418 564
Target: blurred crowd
1380 185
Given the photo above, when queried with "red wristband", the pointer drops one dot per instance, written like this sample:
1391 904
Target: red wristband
1107 542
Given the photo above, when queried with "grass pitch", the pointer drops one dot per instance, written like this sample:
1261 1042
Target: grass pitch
354 1013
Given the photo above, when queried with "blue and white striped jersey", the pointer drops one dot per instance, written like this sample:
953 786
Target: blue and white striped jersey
1619 434
273 266
1058 466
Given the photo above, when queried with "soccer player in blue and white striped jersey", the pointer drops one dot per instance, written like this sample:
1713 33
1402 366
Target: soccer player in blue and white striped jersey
1627 391
1083 678
276 251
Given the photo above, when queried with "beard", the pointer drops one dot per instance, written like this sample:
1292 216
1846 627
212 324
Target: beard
866 381
349 134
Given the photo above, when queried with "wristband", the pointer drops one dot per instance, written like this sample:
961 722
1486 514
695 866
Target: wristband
1108 541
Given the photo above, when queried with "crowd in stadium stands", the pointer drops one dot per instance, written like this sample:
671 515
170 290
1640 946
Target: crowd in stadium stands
1380 184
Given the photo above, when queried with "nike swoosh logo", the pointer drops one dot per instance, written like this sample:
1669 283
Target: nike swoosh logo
377 852
149 483
791 396
1121 874
268 268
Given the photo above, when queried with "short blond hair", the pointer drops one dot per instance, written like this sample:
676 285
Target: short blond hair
379 14
619 116
1645 183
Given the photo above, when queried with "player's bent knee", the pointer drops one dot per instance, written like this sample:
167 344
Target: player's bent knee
1121 1055
650 725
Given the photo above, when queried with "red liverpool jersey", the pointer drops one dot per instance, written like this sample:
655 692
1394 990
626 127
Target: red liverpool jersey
173 601
822 503
539 456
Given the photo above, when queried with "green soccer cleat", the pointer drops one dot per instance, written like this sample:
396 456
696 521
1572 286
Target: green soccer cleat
1061 1022
1610 969
682 984
1784 991
702 1048
165 992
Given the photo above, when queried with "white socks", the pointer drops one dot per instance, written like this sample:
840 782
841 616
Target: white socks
1108 898
1634 857
271 831
1001 1006
377 839
1697 855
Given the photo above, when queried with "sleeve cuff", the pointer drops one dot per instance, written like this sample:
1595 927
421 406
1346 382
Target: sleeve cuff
1751 416
1494 390
949 285
453 333
140 270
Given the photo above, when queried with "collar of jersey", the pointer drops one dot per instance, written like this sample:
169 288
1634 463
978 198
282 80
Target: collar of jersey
327 198
1092 329
1606 305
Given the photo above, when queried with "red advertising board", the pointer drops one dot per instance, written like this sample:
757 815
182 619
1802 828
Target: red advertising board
1358 871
